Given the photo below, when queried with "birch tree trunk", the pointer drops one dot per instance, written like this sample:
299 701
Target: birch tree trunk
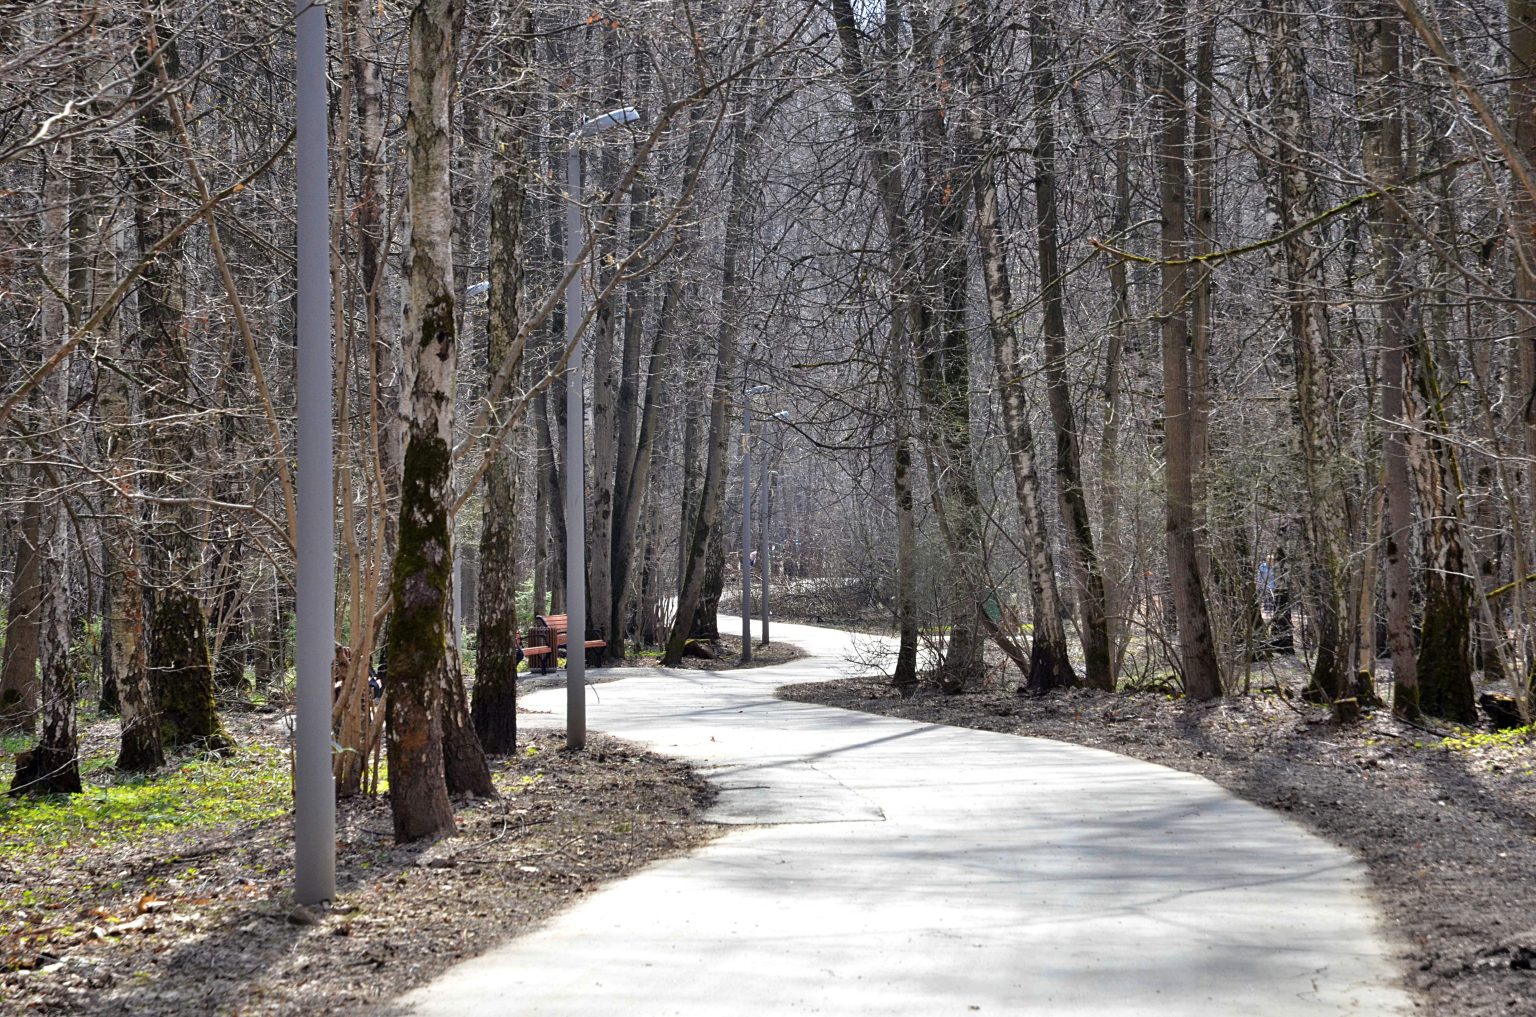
1050 665
419 631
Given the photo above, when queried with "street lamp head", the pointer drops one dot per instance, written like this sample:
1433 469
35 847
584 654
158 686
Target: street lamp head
781 415
613 118
759 390
477 289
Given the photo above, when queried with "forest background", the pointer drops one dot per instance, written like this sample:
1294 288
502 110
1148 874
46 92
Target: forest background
1111 343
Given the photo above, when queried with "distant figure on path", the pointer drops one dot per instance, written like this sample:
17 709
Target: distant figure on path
1267 583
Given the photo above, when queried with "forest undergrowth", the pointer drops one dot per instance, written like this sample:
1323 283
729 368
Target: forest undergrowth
170 895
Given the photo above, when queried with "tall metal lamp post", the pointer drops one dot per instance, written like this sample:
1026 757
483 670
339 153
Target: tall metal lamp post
314 823
765 530
575 438
746 520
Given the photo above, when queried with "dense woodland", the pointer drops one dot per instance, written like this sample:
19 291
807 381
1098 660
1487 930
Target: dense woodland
1126 341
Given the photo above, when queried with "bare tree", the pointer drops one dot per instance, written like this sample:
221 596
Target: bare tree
1202 675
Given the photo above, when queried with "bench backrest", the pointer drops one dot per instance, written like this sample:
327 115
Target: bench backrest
556 622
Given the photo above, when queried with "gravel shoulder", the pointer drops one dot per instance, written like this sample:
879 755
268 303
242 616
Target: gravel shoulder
1445 826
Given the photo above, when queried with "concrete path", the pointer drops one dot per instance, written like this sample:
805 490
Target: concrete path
886 867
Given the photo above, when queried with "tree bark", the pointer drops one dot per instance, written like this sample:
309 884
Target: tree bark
419 649
1202 674
1327 517
1050 665
181 670
1445 643
495 699
53 766
697 573
1099 672
18 679
1377 44
1522 115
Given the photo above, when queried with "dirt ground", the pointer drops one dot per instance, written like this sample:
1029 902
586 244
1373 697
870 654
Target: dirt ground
200 924
1446 827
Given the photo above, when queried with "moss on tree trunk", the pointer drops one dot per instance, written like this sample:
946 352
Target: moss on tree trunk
182 675
417 644
1445 651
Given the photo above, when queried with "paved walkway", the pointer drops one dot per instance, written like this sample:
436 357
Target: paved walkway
886 867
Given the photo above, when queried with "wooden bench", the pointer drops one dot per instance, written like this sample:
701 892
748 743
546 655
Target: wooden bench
547 637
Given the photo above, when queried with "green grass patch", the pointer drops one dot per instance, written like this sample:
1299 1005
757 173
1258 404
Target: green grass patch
1488 739
201 791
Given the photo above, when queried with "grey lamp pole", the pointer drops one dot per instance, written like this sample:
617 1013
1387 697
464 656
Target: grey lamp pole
765 538
746 521
765 530
314 806
575 439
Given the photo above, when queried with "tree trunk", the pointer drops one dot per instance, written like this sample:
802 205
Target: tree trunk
181 670
466 771
1117 601
635 472
495 701
141 748
621 546
699 573
1445 645
18 680
419 648
706 617
943 371
1202 158
549 412
1202 674
1050 665
1099 673
1522 103
53 766
1377 41
1327 517
904 673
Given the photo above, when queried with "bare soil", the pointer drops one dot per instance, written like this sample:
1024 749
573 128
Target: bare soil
229 939
1447 829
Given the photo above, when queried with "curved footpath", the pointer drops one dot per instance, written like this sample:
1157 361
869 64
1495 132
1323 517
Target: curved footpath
888 867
